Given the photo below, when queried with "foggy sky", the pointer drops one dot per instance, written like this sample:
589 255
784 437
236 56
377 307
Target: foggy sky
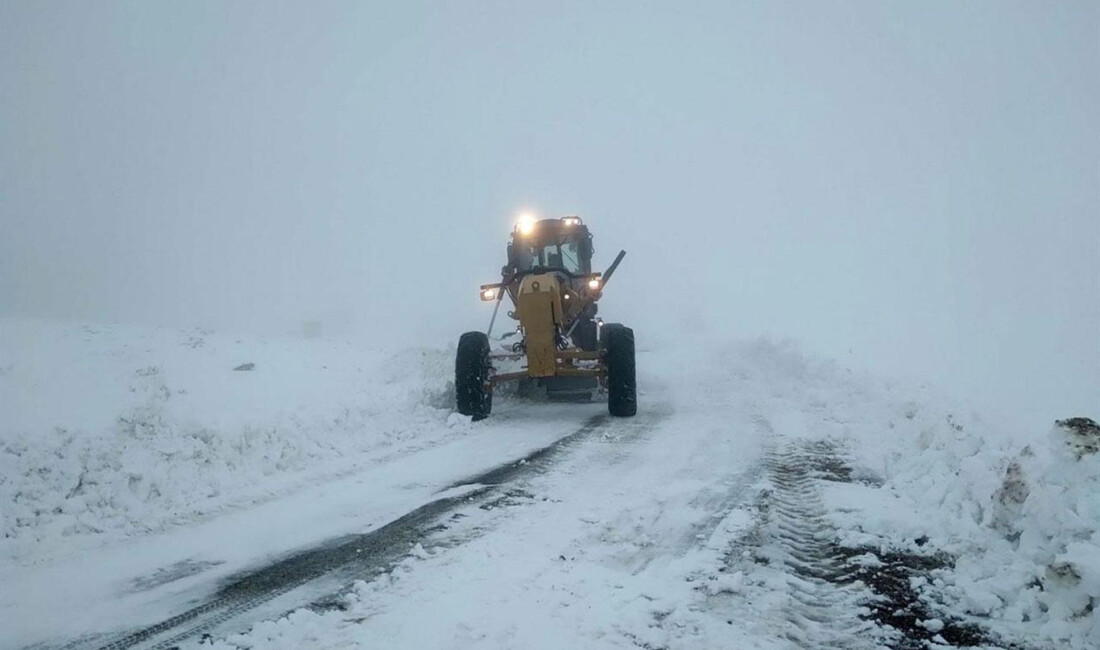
912 188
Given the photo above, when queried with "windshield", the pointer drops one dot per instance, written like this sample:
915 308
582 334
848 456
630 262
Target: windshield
565 256
570 257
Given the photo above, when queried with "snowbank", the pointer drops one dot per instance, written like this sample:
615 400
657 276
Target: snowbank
1018 511
1021 517
111 430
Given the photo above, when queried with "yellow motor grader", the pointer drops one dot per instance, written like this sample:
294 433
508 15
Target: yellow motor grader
563 347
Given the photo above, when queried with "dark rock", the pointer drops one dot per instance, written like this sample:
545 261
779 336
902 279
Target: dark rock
245 366
1083 434
1080 426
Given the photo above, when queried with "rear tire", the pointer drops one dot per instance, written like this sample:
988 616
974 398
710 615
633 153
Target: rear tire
472 395
622 388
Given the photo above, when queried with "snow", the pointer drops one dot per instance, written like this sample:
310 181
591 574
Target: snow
564 569
109 431
129 453
1018 511
1027 556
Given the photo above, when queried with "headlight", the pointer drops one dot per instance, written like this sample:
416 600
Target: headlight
571 221
594 284
526 223
489 294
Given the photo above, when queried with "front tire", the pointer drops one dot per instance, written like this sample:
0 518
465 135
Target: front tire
622 388
472 394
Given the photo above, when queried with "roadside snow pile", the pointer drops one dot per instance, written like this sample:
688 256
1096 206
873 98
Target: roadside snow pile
1042 569
115 430
1019 516
1019 513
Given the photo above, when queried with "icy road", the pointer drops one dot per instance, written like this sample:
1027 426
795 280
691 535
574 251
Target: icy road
767 501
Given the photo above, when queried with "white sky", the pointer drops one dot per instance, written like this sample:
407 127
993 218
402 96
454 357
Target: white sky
912 188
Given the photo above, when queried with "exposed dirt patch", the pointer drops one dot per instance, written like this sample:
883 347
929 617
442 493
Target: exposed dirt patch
898 608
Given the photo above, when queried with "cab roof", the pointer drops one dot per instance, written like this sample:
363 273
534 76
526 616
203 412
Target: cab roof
544 228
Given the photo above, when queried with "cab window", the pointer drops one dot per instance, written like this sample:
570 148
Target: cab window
570 257
565 256
550 257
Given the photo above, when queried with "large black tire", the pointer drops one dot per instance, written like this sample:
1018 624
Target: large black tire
604 330
472 395
622 388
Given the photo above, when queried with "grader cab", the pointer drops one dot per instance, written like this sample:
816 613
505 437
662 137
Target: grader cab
563 348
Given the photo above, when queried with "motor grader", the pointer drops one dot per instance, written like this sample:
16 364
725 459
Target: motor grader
563 348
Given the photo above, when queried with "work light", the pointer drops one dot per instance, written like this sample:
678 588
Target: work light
526 224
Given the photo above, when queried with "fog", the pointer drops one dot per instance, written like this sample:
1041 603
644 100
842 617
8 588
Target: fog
911 189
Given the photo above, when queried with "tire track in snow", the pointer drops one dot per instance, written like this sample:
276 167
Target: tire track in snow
357 556
364 554
374 549
509 471
798 540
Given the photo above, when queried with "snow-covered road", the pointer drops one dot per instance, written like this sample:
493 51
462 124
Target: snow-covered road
760 499
145 580
591 538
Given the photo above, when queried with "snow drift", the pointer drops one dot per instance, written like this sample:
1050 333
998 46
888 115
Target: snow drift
112 430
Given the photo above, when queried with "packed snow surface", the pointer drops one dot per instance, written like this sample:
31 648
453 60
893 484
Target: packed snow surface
139 467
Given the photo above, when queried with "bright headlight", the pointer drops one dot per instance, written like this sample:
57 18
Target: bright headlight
488 294
594 284
526 223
